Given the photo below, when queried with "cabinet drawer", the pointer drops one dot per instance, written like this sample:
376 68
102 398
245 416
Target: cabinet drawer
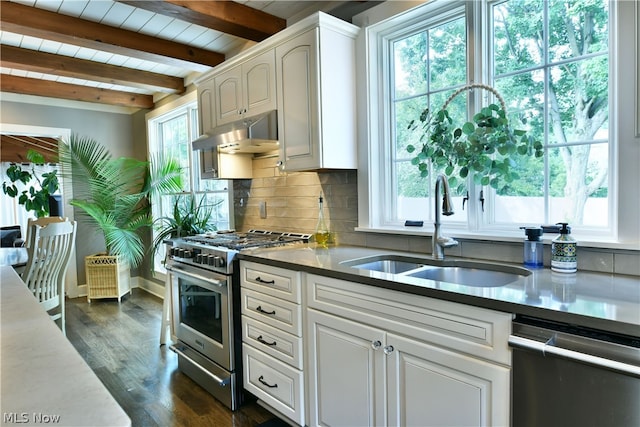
278 313
274 281
277 384
279 344
473 330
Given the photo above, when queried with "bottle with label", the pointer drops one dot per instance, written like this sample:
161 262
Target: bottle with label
321 236
533 249
564 257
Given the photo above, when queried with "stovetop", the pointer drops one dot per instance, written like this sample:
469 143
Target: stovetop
251 239
216 251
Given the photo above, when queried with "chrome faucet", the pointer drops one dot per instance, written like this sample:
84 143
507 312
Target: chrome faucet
438 243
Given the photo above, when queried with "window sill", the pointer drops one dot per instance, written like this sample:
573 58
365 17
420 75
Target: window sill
514 237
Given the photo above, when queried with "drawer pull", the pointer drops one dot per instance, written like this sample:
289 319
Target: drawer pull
260 339
267 282
261 379
259 309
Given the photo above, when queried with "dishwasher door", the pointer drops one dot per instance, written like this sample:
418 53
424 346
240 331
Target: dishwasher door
563 376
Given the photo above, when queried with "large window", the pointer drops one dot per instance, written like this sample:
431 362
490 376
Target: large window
550 62
170 134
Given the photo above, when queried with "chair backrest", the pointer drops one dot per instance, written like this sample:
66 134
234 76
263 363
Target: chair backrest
42 222
9 235
49 251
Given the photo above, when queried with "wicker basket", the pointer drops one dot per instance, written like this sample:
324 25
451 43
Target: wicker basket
107 277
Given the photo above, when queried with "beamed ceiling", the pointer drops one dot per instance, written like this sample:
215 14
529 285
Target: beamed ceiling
132 53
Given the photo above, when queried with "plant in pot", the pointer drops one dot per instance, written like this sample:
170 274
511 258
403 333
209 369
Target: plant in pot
484 148
113 194
35 198
188 218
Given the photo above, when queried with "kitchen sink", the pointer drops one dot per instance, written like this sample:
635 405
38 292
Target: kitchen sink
468 273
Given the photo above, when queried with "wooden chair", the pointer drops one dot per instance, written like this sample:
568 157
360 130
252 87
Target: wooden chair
49 251
42 222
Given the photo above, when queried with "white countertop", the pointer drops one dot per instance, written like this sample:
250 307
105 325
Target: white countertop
42 375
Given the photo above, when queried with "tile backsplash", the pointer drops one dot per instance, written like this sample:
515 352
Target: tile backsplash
291 204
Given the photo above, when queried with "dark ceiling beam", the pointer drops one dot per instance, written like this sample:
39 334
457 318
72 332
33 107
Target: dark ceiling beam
224 16
27 86
14 148
58 65
31 21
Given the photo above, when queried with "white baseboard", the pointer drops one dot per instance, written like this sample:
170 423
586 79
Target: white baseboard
148 285
136 282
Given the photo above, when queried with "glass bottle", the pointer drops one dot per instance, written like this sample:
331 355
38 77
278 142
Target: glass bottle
321 236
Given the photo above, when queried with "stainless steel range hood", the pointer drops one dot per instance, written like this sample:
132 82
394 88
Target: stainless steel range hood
258 134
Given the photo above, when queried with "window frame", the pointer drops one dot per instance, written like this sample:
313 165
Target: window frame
153 120
374 187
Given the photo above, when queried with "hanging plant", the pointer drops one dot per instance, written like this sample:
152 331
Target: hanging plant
484 148
36 197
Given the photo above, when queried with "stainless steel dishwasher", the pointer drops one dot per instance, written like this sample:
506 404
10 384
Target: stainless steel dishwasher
569 376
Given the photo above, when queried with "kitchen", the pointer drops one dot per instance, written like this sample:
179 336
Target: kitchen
342 195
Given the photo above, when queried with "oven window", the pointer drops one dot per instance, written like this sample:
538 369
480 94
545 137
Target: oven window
200 309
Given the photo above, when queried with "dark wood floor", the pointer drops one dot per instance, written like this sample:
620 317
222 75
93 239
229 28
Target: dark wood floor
120 342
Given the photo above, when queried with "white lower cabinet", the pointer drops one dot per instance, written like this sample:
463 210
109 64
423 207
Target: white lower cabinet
272 338
378 357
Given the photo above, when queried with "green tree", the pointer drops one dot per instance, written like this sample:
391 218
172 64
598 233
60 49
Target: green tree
577 94
569 112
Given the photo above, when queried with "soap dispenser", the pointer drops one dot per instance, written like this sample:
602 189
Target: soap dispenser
564 257
533 250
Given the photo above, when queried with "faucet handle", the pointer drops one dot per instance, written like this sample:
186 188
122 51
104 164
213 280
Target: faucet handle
447 242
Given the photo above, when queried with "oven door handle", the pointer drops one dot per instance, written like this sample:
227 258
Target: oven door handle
221 382
178 270
545 348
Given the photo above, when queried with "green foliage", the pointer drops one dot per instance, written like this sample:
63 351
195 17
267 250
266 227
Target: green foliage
188 219
35 198
483 149
113 194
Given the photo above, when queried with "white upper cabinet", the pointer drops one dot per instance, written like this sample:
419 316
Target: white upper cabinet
316 97
245 90
206 106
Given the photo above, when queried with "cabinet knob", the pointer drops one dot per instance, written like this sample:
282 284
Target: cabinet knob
376 344
388 349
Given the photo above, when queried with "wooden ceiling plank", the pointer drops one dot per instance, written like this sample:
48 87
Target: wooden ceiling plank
31 21
23 85
48 144
47 63
224 16
13 148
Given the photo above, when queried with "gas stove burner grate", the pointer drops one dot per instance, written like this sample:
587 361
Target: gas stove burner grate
250 239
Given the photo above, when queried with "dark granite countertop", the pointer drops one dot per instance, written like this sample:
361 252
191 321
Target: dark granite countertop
606 302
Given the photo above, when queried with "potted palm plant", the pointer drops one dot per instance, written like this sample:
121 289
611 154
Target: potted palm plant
113 194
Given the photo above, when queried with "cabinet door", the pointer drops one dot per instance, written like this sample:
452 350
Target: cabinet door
345 372
228 95
259 84
298 127
206 107
431 386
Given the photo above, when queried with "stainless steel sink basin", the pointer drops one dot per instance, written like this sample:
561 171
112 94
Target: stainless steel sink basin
468 273
388 266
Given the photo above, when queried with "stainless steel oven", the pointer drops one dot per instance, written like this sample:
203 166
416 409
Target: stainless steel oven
204 326
205 289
